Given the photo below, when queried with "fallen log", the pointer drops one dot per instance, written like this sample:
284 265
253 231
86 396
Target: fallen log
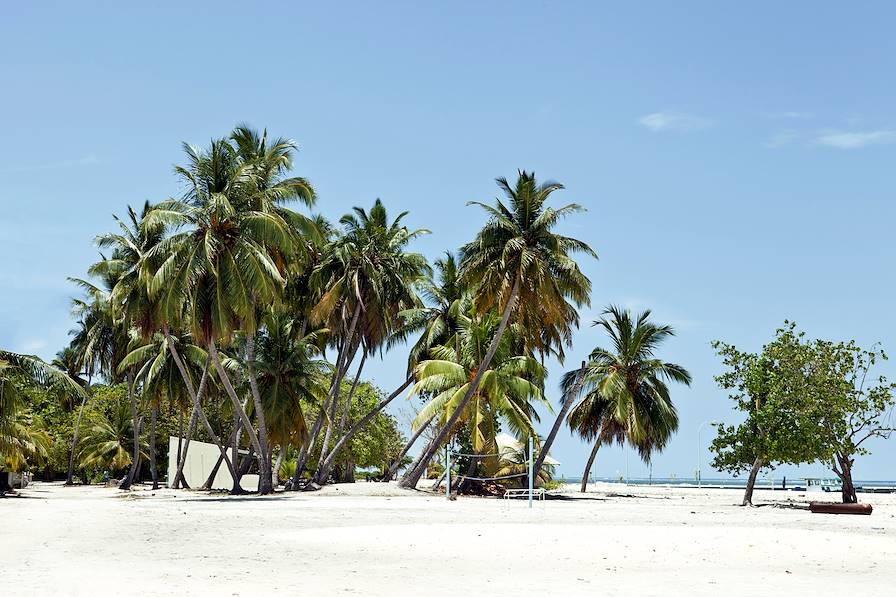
829 508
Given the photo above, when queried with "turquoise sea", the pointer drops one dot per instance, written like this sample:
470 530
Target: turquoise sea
790 484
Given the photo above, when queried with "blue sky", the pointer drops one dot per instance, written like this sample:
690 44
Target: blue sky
736 160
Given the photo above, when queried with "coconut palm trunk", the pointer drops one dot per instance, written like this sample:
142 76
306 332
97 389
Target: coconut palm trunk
305 451
135 458
558 422
175 355
231 392
183 443
323 469
153 465
393 469
265 471
589 464
327 464
412 477
70 479
424 452
277 464
194 421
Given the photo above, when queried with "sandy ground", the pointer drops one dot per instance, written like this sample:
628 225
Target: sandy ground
375 539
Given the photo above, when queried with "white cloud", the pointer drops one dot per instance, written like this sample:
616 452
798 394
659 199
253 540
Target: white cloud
791 115
856 140
674 121
87 160
781 139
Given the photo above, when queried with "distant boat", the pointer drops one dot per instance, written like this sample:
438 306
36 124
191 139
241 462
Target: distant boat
821 484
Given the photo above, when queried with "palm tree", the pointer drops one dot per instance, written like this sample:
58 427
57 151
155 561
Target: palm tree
222 263
107 442
19 441
622 394
508 389
100 339
370 279
438 323
518 265
289 374
160 379
132 307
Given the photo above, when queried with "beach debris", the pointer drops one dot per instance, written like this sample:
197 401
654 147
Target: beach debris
830 508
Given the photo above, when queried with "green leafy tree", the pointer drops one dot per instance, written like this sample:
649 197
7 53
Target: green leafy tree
775 393
850 406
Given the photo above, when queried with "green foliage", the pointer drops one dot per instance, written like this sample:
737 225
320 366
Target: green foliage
771 389
519 245
622 394
376 445
509 389
850 406
804 400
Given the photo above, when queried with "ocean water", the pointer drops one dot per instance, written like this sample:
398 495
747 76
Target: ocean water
737 483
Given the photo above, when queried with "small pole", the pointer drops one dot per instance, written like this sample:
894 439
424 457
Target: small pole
531 466
447 472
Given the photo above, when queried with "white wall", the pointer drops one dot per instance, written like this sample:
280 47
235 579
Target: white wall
201 458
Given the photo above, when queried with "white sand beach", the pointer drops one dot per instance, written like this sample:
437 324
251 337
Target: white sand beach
375 539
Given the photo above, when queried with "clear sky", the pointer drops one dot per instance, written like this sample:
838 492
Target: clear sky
737 160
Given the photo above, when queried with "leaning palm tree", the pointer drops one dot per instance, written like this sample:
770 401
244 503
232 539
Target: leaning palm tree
101 339
621 394
221 265
132 307
519 266
509 389
438 323
370 278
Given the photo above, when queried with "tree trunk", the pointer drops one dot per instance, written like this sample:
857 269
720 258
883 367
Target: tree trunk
334 405
328 456
327 464
210 480
751 482
588 464
194 421
70 479
153 465
305 451
423 453
407 448
343 362
412 477
172 482
558 422
195 397
265 472
848 491
348 404
277 466
135 458
236 488
228 387
179 480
